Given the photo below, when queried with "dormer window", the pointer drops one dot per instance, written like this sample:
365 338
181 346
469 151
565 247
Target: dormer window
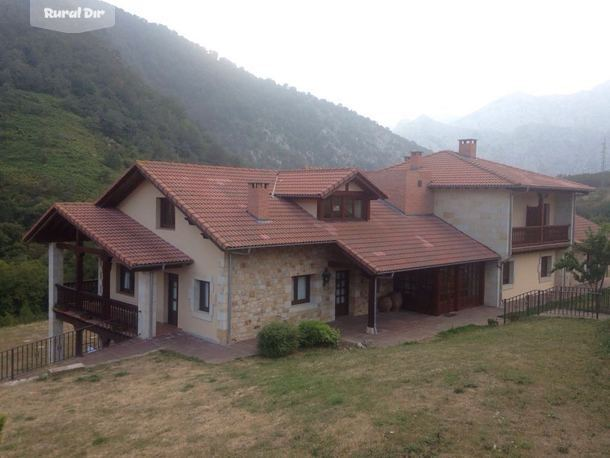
346 206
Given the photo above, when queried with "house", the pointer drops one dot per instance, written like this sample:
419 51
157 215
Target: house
220 251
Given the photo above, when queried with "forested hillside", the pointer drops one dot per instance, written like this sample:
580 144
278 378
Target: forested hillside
77 109
265 123
596 205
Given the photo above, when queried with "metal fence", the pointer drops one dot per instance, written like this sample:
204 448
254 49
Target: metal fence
26 358
568 301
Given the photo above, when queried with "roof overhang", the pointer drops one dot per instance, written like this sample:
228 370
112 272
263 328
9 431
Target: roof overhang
121 237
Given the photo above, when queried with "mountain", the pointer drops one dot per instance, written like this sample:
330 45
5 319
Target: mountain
549 134
266 124
76 109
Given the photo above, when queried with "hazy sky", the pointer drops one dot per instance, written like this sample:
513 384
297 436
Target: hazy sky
399 59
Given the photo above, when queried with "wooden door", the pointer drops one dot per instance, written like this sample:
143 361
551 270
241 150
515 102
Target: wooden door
172 299
341 292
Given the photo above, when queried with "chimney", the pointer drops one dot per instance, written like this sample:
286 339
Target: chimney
258 200
415 160
468 147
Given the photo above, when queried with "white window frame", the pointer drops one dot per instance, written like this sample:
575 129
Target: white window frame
550 275
194 299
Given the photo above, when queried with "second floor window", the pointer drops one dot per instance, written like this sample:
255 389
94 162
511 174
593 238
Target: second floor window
344 207
166 213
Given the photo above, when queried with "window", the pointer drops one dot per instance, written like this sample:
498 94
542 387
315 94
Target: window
348 206
126 281
166 213
202 296
508 272
546 266
300 289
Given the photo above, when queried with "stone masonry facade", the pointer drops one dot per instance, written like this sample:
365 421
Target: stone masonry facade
261 287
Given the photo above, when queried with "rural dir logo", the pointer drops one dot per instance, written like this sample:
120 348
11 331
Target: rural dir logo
71 16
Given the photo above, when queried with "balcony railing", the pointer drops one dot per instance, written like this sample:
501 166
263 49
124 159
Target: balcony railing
109 313
540 235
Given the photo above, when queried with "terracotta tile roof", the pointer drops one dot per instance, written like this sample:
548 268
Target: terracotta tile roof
391 241
452 170
116 233
215 198
580 228
317 183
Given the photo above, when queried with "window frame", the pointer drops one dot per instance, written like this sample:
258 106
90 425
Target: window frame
511 272
166 221
120 284
198 287
326 212
549 266
295 290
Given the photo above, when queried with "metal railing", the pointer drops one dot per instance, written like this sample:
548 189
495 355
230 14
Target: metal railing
568 301
112 314
538 235
32 356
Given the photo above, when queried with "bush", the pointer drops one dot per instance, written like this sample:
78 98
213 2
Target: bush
313 333
278 339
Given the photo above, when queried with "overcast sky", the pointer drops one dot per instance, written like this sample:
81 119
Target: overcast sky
399 59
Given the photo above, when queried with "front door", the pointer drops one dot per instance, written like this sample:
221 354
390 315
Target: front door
172 299
342 292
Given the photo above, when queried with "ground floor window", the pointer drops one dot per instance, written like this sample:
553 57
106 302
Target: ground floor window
300 289
508 272
202 295
546 266
126 281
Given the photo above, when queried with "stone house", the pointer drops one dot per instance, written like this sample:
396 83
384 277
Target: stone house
220 251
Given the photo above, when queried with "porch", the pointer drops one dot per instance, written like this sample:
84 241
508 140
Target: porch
394 328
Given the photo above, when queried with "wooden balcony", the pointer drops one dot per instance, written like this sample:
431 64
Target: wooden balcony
115 316
535 236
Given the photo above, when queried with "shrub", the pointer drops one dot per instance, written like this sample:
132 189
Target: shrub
278 339
313 333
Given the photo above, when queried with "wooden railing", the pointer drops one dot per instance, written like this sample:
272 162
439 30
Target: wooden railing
89 286
115 315
540 235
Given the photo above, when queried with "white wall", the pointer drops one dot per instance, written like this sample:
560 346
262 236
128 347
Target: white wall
209 265
484 215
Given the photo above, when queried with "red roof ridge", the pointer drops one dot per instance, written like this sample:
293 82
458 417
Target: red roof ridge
473 162
580 185
201 165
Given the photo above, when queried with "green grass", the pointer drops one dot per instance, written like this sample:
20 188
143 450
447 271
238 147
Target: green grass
538 387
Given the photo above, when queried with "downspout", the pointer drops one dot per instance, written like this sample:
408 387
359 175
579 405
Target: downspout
229 298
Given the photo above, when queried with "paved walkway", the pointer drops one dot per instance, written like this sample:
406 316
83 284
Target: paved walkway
394 328
178 341
398 327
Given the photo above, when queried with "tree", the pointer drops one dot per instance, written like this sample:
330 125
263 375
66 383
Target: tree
588 260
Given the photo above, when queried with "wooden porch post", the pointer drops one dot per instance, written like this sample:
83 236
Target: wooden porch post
371 327
79 261
541 216
106 269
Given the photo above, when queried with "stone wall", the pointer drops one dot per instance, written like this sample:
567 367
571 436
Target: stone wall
261 287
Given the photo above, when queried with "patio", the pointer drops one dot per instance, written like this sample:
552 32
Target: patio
405 326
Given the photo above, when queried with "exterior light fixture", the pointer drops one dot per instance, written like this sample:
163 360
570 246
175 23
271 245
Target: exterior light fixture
325 276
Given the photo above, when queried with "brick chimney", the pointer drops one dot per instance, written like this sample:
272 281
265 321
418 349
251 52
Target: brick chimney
415 160
258 200
468 147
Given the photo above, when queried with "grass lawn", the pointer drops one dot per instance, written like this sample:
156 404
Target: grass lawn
538 387
12 336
